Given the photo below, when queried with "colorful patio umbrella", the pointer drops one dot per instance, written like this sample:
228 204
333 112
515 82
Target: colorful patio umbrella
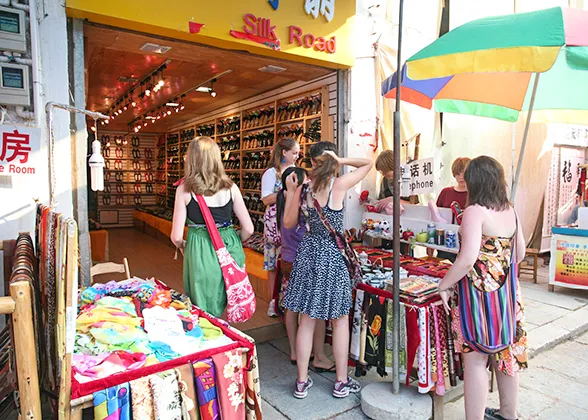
491 68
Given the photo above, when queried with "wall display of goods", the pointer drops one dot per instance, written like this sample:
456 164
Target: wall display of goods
245 138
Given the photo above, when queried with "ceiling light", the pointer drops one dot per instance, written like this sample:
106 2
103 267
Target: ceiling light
145 123
148 92
182 107
272 69
133 104
149 117
155 48
213 94
204 89
125 107
168 112
153 121
172 104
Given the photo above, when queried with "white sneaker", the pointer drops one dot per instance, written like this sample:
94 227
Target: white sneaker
271 311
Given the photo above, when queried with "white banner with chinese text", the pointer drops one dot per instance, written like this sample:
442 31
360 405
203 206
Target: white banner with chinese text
421 176
19 150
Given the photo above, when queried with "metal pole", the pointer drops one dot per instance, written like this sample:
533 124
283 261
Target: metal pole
396 217
515 183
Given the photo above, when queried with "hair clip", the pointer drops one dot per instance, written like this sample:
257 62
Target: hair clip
118 176
138 200
149 153
119 152
136 165
135 141
107 164
137 188
137 177
148 177
107 188
120 188
120 200
149 188
107 152
106 200
148 165
125 140
107 140
107 176
118 165
117 140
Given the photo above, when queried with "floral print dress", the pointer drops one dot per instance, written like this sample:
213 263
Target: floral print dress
488 274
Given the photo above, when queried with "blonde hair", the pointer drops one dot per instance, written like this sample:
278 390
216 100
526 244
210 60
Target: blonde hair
204 173
460 165
385 161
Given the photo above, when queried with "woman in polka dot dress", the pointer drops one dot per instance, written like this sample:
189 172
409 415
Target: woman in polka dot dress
320 286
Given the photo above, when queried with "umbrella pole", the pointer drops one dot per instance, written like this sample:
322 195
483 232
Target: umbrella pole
396 216
517 175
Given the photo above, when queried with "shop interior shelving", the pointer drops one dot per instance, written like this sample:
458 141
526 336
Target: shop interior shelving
246 138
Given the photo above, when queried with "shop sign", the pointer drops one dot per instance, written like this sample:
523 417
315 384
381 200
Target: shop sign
421 176
18 145
305 30
261 31
569 262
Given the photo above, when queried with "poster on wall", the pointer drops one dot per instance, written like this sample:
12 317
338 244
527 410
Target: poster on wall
569 261
421 176
19 150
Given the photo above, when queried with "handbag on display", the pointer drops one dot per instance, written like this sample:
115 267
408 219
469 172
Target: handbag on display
488 314
241 303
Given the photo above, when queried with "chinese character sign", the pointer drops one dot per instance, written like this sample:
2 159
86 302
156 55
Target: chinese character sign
324 7
17 147
569 261
421 176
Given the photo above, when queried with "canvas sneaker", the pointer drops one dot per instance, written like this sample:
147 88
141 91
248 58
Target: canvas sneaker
302 388
343 389
271 310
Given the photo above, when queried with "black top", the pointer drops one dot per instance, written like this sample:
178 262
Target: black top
223 214
387 191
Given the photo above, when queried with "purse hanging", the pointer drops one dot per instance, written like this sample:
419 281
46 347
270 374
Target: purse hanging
241 303
351 260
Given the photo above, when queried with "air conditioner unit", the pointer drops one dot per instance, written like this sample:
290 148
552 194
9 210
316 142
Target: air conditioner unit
14 84
12 30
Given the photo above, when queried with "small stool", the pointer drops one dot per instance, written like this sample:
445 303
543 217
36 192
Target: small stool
534 254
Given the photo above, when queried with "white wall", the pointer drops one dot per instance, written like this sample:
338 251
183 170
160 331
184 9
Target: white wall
50 82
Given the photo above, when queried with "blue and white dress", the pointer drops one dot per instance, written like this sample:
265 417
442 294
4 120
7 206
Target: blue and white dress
319 285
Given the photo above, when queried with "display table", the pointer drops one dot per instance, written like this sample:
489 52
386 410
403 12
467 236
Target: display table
568 266
99 245
126 342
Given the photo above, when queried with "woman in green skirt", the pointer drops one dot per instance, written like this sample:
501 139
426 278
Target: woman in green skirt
205 175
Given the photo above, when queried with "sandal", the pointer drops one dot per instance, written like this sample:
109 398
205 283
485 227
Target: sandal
494 414
332 369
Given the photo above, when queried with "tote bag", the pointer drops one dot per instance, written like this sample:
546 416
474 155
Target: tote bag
241 303
488 318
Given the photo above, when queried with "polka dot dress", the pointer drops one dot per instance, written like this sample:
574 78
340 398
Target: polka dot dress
319 285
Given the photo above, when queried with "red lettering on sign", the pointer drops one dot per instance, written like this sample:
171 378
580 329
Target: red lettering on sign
308 40
295 34
321 44
17 144
20 170
332 45
250 24
260 27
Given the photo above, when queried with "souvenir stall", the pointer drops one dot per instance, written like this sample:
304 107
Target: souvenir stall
427 353
134 348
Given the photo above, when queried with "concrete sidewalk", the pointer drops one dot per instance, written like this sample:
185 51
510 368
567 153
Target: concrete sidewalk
551 319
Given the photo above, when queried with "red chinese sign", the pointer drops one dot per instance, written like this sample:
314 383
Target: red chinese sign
16 147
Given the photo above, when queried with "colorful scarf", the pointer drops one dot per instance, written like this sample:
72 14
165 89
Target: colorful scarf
231 387
142 399
166 395
424 352
206 390
356 325
185 375
112 403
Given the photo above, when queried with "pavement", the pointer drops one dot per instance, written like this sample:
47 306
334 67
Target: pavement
557 325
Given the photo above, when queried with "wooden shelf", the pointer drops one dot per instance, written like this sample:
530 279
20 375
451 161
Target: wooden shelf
228 134
261 127
293 120
257 149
